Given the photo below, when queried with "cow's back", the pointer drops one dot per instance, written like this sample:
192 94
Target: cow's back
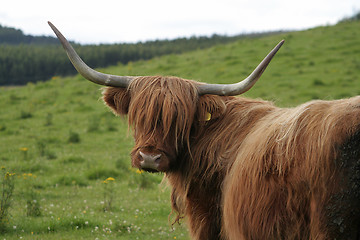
297 175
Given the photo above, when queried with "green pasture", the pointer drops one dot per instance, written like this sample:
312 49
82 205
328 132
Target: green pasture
70 154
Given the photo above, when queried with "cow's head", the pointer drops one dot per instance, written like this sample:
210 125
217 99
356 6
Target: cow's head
163 111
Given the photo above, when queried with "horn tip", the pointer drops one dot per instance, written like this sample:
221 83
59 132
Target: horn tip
53 27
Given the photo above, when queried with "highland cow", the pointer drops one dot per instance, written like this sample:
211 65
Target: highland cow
242 168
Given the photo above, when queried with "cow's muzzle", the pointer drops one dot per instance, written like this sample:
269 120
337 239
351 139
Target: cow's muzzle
149 162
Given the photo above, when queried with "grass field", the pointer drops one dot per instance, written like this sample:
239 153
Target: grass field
65 147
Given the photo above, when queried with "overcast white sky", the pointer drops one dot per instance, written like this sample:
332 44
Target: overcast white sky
109 21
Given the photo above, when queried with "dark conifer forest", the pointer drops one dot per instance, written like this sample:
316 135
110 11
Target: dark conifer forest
25 58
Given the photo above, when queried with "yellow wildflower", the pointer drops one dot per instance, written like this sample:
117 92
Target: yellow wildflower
24 149
139 171
7 175
25 175
110 179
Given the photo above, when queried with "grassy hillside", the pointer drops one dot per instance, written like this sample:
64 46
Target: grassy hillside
62 143
319 63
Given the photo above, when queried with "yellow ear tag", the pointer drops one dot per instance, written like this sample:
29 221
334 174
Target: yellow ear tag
207 116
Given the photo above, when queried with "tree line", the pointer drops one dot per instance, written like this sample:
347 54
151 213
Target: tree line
26 58
14 36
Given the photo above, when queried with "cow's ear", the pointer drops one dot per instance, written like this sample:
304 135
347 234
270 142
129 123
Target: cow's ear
118 99
210 107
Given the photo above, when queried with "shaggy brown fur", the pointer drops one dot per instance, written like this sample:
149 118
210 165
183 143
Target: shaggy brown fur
284 173
254 171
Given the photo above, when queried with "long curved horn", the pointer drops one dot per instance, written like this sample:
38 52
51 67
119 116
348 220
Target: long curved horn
86 71
244 85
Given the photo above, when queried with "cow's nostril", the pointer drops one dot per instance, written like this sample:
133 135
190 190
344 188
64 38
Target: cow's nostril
149 161
150 157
